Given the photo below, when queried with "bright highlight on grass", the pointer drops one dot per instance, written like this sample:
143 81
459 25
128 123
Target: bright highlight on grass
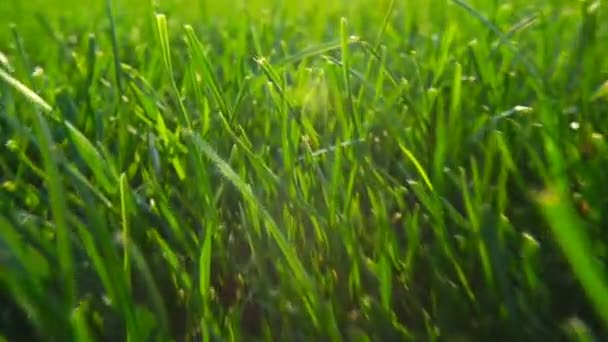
25 91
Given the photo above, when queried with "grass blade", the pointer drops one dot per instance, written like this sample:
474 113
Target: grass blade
92 158
25 91
58 208
292 260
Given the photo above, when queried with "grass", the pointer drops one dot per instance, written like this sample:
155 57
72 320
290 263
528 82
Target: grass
266 170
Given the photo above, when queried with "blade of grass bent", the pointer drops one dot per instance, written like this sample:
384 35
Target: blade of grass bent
25 91
245 189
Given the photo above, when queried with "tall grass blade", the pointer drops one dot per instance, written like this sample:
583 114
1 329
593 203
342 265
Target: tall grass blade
25 91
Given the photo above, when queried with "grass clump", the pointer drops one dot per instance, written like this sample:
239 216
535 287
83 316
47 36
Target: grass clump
266 170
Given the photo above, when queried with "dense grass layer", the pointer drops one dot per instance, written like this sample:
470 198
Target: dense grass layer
343 170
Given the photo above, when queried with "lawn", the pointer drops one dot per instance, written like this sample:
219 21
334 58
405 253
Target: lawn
272 170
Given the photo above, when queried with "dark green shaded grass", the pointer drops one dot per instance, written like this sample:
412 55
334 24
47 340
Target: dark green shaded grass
267 170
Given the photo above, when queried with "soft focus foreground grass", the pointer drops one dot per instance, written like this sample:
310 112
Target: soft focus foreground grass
361 170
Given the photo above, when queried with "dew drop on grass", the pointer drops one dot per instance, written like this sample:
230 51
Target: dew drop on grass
523 109
38 72
4 62
575 125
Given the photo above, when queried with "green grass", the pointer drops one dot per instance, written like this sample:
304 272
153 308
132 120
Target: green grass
274 170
